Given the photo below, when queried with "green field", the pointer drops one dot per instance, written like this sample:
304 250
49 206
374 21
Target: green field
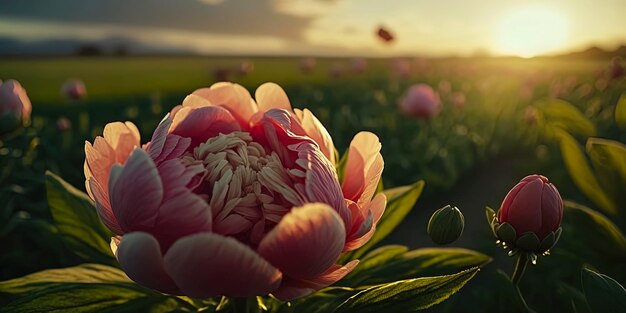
468 156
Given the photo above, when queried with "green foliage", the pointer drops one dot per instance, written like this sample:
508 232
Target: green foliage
78 222
390 263
560 114
407 295
85 288
591 235
620 112
582 174
602 292
400 201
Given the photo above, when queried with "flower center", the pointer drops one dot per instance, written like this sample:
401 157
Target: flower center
247 188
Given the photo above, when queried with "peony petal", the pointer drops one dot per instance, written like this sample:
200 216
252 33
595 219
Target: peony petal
377 208
293 289
122 139
234 97
524 214
203 123
271 96
158 137
103 207
551 210
306 242
321 182
136 192
314 129
141 259
207 265
363 168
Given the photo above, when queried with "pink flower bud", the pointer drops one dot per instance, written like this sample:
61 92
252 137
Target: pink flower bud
15 107
421 101
534 205
74 89
307 65
63 124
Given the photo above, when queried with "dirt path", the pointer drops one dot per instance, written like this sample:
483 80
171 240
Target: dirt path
485 185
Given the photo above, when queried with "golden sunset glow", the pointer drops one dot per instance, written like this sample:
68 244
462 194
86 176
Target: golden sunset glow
530 31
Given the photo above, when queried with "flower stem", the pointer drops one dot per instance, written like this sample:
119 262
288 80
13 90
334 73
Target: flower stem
520 268
518 272
240 305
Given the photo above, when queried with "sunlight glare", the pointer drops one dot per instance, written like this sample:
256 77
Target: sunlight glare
531 30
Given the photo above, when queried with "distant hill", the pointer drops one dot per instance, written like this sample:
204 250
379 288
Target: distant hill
10 46
594 53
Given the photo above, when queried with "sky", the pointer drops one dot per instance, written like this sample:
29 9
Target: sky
325 27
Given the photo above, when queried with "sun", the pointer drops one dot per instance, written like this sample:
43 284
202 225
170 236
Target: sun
531 30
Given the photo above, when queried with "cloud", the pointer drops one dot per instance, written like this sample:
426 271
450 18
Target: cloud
227 17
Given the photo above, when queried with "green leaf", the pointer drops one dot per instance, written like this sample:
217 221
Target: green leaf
387 265
563 115
400 201
322 301
581 173
77 221
602 292
590 234
608 158
84 288
407 295
620 112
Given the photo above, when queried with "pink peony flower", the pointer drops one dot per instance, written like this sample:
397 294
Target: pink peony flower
401 68
234 196
359 65
421 101
307 65
533 205
458 99
74 89
15 106
245 68
63 124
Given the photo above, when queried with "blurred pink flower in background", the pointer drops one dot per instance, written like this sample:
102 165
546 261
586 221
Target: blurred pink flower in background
359 65
220 73
63 124
336 70
458 99
307 65
444 87
74 89
234 196
401 68
15 106
385 35
616 69
531 115
534 205
421 101
245 68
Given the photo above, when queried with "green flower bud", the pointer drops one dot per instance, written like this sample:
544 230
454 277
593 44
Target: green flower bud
446 225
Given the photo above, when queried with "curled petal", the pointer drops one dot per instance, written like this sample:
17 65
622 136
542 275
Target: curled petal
306 242
103 206
271 96
203 123
206 265
376 208
314 129
234 97
136 192
141 259
363 168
